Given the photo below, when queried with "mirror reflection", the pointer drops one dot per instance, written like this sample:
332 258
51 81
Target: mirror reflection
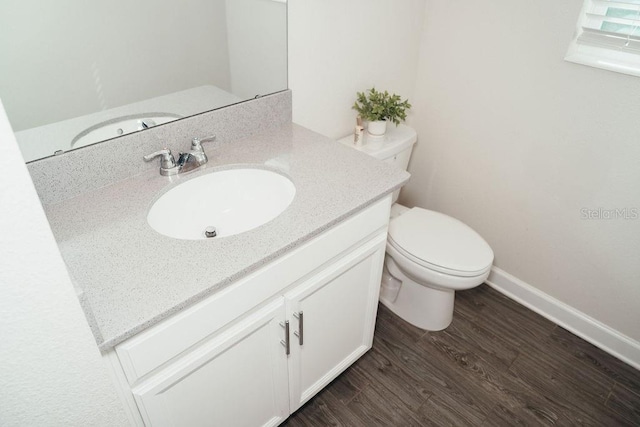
73 73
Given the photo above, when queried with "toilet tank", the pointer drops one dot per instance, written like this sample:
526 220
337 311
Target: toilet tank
393 147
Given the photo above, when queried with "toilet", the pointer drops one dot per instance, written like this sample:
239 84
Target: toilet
429 255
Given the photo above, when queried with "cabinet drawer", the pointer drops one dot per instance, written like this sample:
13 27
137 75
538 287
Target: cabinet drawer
154 347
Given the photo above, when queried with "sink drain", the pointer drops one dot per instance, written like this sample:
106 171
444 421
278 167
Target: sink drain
210 232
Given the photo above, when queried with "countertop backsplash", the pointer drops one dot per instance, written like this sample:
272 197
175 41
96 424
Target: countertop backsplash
63 177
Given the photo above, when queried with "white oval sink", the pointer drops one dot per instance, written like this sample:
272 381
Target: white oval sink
233 201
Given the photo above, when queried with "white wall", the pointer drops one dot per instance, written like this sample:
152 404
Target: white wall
515 142
338 47
64 59
51 372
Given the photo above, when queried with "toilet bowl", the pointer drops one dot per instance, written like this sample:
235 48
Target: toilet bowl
429 255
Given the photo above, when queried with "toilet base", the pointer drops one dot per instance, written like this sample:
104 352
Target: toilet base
424 307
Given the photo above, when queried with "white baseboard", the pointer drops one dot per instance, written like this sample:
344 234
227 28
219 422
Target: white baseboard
575 321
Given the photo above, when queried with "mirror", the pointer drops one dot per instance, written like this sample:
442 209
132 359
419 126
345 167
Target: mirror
73 73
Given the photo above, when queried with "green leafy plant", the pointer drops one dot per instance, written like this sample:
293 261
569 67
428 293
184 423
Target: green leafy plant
374 106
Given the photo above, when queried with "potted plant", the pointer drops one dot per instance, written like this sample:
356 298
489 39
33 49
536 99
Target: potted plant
378 108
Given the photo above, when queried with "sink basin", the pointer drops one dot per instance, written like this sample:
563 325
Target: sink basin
120 126
233 201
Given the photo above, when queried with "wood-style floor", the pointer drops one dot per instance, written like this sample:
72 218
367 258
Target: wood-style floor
498 364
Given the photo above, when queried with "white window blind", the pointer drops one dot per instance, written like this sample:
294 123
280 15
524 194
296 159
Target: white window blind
608 36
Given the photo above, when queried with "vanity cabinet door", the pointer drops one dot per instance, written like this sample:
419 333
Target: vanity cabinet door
338 311
238 378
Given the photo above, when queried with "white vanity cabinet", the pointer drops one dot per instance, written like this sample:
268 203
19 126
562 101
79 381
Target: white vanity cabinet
224 362
338 308
237 378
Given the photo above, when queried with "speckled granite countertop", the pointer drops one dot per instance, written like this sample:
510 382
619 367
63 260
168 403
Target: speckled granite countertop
132 277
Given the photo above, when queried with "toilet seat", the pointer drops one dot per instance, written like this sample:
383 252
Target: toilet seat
440 243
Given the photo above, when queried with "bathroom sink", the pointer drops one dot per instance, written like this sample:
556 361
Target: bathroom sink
120 126
231 201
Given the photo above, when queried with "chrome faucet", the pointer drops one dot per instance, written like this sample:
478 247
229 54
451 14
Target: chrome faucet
146 123
187 161
168 165
197 151
195 157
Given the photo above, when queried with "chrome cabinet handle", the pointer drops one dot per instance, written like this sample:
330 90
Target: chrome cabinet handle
300 333
285 341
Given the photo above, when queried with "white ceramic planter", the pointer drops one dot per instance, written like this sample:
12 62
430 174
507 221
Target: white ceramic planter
377 128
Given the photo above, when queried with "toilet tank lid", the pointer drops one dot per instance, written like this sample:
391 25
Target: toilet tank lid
394 141
441 241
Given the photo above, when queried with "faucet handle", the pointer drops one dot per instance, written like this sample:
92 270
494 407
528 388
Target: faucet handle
196 142
166 162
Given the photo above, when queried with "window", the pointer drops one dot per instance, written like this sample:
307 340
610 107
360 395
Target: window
608 36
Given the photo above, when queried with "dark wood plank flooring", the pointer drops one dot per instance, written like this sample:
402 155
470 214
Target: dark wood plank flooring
498 364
